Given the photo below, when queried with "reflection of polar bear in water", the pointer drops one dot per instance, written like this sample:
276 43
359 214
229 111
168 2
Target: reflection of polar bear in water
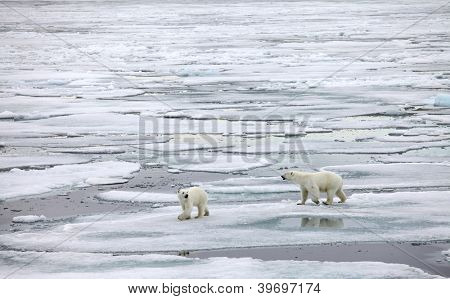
322 222
314 183
191 197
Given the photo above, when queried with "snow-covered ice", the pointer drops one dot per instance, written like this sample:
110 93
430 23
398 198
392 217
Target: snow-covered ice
17 182
87 265
400 216
8 162
105 181
218 163
133 196
29 218
394 175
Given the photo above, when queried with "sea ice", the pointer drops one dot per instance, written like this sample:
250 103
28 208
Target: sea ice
8 115
133 196
393 175
217 163
401 216
105 181
442 100
8 162
89 150
29 219
157 266
17 182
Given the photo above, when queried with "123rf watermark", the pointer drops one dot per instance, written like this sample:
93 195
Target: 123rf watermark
178 139
209 288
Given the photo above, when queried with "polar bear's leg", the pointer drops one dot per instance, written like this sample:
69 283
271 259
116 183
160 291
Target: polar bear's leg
304 196
315 193
340 193
201 210
206 211
187 212
330 195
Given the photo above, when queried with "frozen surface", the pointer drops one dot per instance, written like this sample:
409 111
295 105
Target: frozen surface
17 182
442 100
8 162
132 196
395 175
86 265
356 177
29 218
220 86
222 163
397 216
447 254
105 181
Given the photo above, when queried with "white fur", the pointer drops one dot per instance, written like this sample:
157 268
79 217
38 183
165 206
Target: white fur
191 197
314 183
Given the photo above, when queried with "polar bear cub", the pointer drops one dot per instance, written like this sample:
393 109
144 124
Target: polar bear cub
314 183
191 197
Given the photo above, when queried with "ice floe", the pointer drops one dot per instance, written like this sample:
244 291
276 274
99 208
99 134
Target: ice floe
394 175
21 161
157 266
89 150
29 219
401 216
17 182
133 196
217 163
105 181
8 115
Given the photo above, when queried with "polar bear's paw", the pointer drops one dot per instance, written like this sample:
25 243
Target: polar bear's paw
183 217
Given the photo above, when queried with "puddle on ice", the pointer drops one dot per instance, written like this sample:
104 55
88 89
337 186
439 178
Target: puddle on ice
295 223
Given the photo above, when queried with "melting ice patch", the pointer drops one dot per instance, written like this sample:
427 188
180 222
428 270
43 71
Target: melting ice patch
88 265
18 182
399 216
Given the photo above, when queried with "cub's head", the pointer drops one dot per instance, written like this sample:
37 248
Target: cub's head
182 193
288 175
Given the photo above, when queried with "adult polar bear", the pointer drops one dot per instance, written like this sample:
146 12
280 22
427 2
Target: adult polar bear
191 197
314 183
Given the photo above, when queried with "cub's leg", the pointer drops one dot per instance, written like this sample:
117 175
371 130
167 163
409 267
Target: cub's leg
304 196
340 193
186 213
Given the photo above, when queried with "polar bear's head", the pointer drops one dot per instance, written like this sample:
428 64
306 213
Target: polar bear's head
182 193
288 175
